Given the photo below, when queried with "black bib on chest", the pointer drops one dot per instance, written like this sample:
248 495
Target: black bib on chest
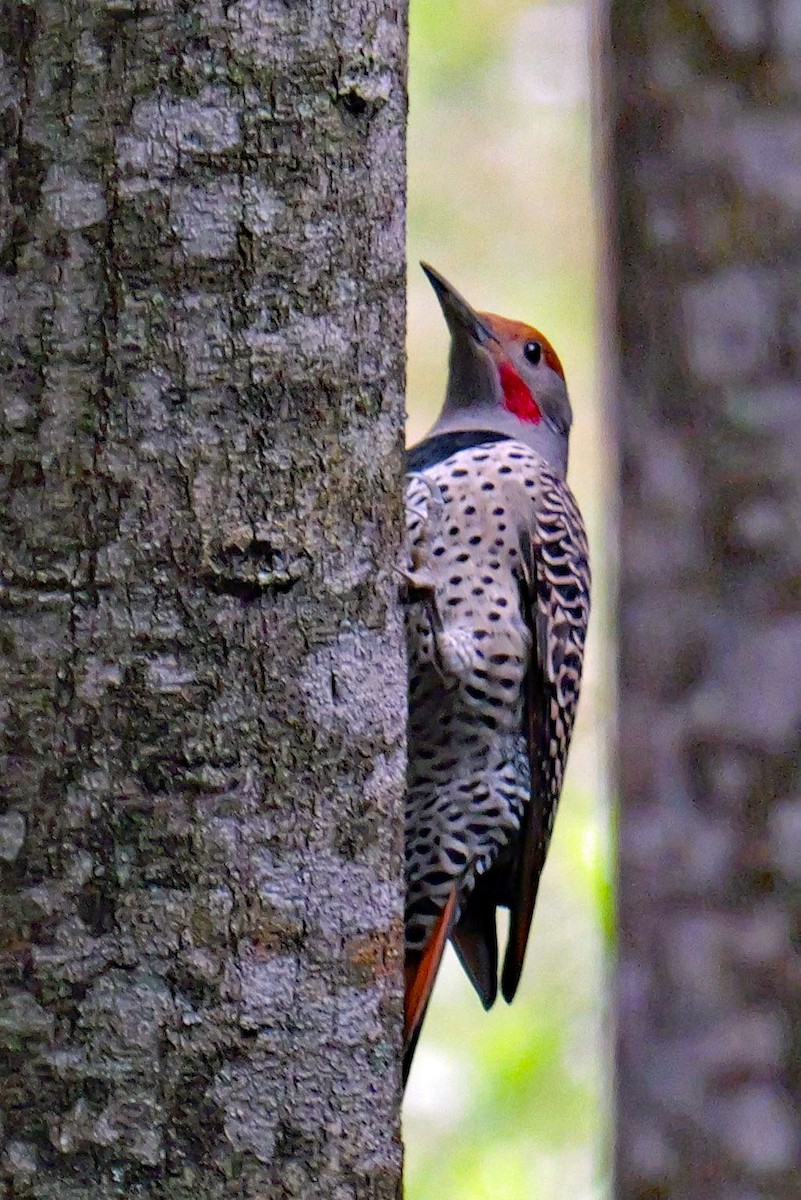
436 449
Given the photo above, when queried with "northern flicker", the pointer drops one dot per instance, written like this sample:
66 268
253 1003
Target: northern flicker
498 603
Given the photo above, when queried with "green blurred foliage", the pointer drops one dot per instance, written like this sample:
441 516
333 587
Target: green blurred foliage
514 1105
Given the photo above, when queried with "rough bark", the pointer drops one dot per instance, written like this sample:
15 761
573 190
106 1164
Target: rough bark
705 122
202 676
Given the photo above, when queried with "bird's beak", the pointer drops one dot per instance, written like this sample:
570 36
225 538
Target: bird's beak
461 318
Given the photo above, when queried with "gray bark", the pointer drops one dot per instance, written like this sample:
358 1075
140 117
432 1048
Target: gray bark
202 677
705 122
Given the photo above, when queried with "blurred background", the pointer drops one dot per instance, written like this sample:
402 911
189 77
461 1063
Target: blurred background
515 1105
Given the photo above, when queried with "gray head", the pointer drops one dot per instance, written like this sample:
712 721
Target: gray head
504 376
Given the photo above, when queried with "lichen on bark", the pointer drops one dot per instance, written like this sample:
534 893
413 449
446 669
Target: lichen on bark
202 679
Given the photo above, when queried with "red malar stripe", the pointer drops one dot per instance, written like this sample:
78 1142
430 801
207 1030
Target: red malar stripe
517 397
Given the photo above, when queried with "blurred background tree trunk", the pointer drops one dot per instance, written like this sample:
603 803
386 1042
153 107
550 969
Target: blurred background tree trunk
705 124
202 674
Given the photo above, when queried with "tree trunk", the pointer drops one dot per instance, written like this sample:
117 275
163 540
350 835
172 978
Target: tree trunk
706 160
203 676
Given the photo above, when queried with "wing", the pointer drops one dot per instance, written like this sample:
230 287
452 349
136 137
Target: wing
555 595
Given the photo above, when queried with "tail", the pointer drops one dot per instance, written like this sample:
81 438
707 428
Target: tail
421 974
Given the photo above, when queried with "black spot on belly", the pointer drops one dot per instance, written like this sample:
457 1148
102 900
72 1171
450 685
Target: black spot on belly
457 857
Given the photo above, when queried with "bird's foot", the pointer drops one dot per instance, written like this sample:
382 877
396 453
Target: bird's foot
419 578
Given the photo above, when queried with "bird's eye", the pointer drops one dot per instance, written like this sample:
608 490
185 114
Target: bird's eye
532 351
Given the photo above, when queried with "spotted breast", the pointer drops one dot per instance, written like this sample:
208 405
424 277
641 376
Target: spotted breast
496 623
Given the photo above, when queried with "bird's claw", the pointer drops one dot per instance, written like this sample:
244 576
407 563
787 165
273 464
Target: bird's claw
420 585
419 579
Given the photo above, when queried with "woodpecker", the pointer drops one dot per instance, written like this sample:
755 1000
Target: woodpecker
497 608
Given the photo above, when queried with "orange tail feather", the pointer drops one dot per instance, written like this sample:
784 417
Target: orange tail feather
421 974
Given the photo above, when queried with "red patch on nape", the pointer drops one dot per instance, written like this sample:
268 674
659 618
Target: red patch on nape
517 397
